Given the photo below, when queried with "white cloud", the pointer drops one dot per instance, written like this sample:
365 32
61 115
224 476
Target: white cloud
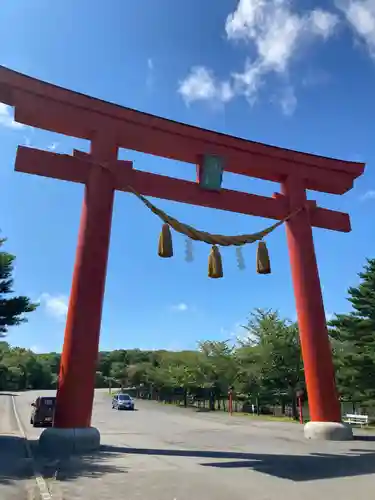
369 195
270 26
360 14
323 23
36 349
236 333
249 81
150 73
288 101
276 33
55 305
181 307
315 77
200 85
6 118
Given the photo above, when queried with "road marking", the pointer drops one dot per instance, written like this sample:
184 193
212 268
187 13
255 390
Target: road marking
42 485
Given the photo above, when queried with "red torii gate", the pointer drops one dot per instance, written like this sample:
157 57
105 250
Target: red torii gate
108 126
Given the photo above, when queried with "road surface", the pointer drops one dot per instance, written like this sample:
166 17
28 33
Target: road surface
161 452
16 473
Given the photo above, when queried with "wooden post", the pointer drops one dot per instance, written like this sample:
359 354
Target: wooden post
230 401
300 410
81 342
316 350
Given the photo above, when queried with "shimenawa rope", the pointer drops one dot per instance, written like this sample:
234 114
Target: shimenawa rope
212 239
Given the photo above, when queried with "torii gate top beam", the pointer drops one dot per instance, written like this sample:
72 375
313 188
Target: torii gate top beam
53 108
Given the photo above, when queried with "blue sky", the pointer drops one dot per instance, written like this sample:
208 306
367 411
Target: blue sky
298 75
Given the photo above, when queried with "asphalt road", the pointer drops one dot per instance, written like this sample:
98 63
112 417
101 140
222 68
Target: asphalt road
16 474
165 453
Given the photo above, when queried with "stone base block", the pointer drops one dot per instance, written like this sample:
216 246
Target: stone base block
328 431
57 441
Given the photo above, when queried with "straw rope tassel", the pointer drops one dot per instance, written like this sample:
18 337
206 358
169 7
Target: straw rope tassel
165 249
215 264
212 239
263 259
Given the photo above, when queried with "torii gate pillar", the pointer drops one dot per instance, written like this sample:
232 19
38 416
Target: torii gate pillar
81 341
324 405
72 430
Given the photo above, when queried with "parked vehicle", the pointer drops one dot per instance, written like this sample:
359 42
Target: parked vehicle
122 402
43 411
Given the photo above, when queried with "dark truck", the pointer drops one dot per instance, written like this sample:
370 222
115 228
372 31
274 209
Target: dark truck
43 411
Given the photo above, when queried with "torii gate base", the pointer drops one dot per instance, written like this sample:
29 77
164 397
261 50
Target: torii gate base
109 127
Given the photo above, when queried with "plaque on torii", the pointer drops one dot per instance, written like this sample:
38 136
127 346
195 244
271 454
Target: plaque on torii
109 127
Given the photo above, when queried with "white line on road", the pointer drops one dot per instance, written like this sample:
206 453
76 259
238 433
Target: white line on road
42 485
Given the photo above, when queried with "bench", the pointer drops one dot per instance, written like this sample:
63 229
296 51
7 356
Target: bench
354 419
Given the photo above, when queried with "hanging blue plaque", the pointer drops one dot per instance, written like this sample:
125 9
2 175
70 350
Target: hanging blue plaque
210 172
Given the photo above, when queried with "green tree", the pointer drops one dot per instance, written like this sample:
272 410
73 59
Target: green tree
270 358
139 374
12 309
353 340
15 380
100 380
218 368
4 376
38 373
119 372
104 363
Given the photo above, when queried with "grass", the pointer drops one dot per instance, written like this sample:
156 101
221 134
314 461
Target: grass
271 418
370 428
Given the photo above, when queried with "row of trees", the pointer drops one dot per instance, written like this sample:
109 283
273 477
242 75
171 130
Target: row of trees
263 367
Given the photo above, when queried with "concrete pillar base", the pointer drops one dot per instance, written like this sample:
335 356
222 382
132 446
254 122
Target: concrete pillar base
58 441
328 431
